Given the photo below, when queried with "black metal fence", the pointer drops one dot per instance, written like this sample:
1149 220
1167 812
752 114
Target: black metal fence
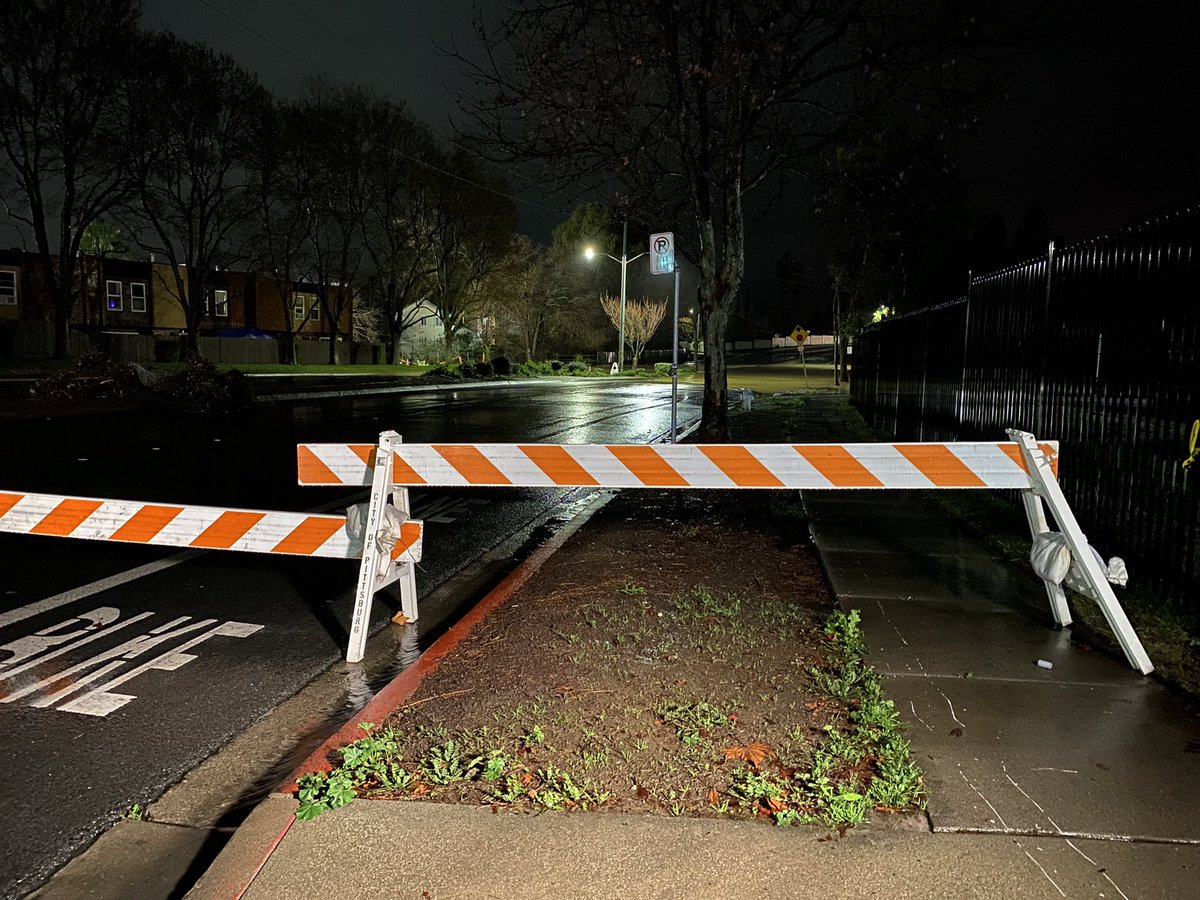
1097 345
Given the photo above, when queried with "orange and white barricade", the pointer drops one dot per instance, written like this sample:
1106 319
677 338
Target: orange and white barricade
389 546
1021 464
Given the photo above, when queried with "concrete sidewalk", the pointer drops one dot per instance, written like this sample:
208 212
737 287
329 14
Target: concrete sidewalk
1079 780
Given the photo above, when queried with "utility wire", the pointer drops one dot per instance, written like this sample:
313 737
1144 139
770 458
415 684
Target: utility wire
263 37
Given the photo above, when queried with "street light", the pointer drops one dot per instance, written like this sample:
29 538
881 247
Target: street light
625 260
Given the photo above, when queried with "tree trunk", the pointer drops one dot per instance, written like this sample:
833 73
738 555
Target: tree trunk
191 341
389 309
287 349
714 427
62 341
193 310
63 300
333 341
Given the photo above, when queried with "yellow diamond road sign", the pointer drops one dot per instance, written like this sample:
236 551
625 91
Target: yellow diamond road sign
799 335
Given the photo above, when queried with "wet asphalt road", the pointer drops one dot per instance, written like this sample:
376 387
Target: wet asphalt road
191 654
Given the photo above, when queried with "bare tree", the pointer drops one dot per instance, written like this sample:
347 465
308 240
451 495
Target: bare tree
685 108
396 214
529 290
642 318
196 113
470 228
279 231
61 63
334 157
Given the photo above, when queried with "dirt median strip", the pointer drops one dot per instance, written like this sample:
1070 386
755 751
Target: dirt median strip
682 656
407 682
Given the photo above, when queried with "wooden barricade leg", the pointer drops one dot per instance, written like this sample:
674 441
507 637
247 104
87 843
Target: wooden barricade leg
408 571
368 570
1035 514
1046 486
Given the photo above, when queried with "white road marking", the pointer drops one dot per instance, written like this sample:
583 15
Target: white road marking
129 649
96 587
103 632
100 699
112 581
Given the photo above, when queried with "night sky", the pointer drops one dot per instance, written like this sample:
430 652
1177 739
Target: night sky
1099 128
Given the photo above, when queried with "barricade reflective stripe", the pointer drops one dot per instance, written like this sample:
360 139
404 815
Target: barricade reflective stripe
204 527
811 466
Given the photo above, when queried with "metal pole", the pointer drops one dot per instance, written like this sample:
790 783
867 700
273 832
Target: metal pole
675 358
624 263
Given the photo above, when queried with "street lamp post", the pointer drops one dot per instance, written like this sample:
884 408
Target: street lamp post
625 260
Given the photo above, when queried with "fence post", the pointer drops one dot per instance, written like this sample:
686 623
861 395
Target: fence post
966 341
1040 407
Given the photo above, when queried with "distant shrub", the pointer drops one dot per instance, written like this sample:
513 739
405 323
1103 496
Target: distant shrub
556 366
662 369
93 377
206 387
484 369
502 365
577 367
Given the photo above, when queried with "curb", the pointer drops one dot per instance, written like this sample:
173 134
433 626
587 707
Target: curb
242 871
407 682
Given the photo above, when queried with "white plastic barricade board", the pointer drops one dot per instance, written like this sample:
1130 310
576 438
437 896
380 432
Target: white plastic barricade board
764 466
197 527
1022 464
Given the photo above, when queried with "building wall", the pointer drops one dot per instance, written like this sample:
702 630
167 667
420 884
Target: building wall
302 308
121 292
426 329
12 276
168 311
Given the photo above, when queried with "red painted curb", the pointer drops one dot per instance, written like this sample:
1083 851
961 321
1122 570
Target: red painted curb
406 683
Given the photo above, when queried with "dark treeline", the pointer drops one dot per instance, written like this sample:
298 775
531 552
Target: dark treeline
110 131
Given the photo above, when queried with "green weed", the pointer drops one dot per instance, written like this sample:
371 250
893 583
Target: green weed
691 719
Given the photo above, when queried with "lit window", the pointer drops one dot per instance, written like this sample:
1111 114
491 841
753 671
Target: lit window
8 288
298 307
221 304
137 296
116 301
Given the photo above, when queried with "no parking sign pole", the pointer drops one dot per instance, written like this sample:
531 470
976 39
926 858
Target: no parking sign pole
662 262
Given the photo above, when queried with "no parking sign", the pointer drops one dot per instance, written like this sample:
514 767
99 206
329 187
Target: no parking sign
662 253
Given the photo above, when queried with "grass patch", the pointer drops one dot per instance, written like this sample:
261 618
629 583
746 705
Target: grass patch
780 377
